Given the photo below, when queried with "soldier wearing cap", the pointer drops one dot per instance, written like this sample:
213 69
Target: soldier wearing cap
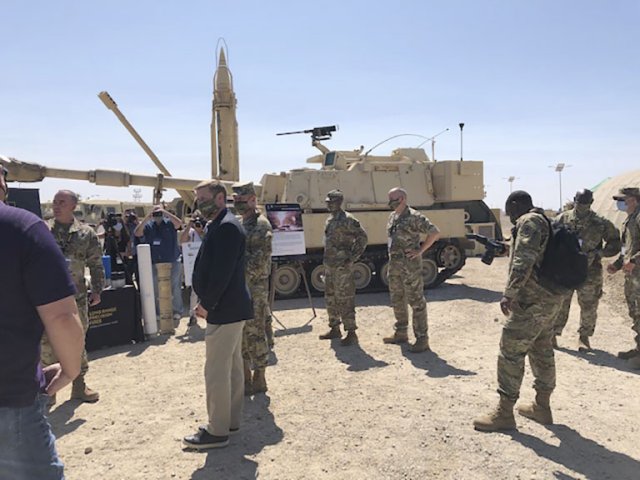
629 262
406 286
344 242
600 238
258 333
80 246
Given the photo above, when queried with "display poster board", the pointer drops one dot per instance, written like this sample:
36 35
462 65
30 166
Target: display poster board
288 233
189 253
115 320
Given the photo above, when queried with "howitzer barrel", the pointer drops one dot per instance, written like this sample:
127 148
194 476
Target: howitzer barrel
32 172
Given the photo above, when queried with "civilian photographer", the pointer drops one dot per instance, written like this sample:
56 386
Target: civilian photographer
194 234
158 229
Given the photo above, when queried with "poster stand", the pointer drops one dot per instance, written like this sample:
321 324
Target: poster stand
297 264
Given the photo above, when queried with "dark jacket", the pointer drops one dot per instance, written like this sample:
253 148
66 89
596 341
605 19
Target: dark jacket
218 275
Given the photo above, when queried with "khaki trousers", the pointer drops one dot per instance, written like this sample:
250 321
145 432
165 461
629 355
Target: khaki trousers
224 377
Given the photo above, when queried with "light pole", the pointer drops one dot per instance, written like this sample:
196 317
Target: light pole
559 168
510 180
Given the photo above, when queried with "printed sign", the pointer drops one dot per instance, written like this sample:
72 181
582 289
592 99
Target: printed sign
288 233
189 253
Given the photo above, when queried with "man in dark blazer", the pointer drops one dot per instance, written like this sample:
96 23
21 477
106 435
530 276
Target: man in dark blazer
218 280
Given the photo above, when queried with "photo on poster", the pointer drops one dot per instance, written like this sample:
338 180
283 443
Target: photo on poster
288 231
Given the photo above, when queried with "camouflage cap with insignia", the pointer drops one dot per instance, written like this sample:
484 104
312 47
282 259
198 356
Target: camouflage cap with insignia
627 192
334 196
242 189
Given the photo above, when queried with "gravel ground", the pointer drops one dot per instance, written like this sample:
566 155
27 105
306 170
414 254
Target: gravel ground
374 411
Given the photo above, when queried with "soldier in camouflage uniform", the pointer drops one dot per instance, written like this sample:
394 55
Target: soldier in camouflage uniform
344 242
629 262
531 309
600 238
406 286
255 347
80 245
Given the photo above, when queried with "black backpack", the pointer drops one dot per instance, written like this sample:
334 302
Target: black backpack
564 263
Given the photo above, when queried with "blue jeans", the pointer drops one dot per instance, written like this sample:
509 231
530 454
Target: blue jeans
176 287
27 449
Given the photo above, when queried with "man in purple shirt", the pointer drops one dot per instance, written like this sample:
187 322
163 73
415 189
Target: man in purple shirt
36 294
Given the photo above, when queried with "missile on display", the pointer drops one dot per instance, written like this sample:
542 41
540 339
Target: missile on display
224 125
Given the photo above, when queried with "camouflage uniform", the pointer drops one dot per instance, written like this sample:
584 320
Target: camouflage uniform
631 253
405 275
529 327
257 269
344 242
594 231
79 244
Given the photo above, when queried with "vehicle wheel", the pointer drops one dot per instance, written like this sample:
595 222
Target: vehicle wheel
384 274
450 256
362 275
429 271
286 280
317 278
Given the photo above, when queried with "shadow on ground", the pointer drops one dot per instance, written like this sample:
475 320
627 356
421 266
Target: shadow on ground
435 366
601 359
133 349
354 356
257 431
61 417
581 455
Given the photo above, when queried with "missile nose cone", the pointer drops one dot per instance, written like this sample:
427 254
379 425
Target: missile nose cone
222 79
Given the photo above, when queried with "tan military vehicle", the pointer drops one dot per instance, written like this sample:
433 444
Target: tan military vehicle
450 193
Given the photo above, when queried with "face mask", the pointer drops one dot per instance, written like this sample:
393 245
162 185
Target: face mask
208 208
241 207
393 204
622 205
581 209
158 220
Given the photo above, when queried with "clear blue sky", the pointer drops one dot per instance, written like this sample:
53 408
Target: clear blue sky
536 83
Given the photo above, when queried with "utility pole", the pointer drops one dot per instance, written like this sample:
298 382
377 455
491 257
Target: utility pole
510 180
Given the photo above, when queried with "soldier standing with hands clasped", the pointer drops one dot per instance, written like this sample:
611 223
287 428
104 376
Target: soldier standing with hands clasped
255 348
344 242
600 238
629 262
80 246
406 284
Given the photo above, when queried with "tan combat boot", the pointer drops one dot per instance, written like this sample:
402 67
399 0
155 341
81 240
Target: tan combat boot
396 338
334 332
81 392
500 419
421 345
350 339
248 386
583 344
538 410
259 381
554 341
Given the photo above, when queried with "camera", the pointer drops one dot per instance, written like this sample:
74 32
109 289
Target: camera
199 222
492 247
112 219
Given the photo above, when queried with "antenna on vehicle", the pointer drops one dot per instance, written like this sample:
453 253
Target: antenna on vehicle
433 143
391 138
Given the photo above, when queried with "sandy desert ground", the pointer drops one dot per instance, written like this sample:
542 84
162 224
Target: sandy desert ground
369 412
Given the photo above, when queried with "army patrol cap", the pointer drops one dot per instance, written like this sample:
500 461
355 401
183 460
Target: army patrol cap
584 197
242 189
627 192
334 196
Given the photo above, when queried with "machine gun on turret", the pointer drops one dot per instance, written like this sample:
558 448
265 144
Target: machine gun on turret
317 133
